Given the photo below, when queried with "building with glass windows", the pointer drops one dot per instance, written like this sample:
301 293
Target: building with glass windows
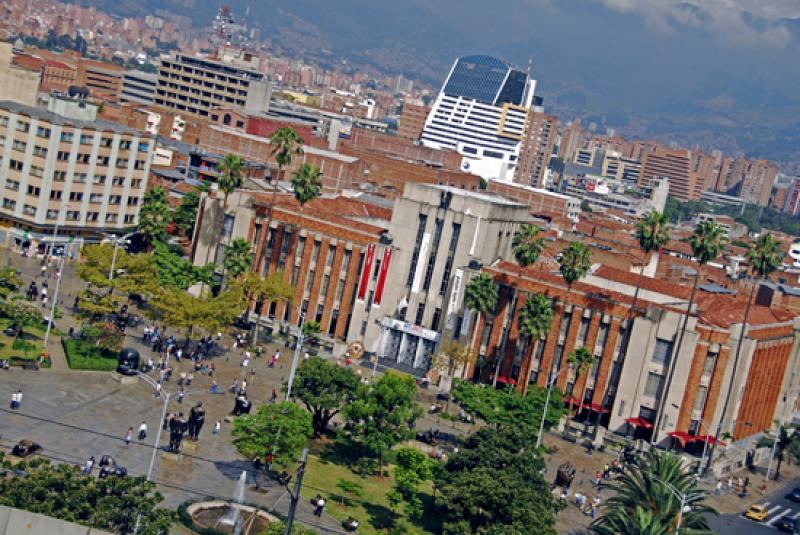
481 112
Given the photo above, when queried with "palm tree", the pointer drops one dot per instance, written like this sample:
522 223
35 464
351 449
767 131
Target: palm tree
581 359
238 258
231 173
481 296
706 242
652 233
535 320
286 143
527 245
647 499
307 184
575 263
764 256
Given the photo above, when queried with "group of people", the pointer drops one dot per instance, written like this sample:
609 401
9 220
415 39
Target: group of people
738 485
33 291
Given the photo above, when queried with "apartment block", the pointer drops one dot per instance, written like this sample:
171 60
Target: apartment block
537 148
195 85
103 80
67 168
676 166
412 120
138 86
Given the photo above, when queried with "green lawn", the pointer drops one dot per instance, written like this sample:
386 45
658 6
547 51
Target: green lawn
82 355
371 509
27 348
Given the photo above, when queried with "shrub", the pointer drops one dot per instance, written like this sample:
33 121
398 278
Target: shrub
82 355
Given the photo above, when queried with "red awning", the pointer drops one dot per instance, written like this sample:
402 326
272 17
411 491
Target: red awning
506 380
639 422
709 439
594 407
684 437
576 403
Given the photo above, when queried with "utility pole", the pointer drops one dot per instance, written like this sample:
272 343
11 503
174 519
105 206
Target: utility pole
295 358
298 483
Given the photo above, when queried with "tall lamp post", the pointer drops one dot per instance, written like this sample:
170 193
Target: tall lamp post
117 241
551 384
777 435
295 357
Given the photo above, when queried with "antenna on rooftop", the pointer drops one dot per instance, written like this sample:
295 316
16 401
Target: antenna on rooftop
530 64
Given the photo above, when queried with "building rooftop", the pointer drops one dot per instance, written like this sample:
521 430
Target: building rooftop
52 118
487 197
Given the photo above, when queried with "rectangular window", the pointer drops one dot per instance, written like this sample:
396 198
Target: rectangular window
287 240
76 196
423 220
583 332
86 139
55 194
39 151
28 210
73 215
437 316
326 279
602 338
339 291
309 281
563 329
43 132
19 145
15 165
34 190
13 185
227 226
700 401
437 235
23 127
663 351
295 274
708 366
451 251
420 314
92 216
346 262
129 218
655 382
315 253
8 204
52 214
133 201
331 255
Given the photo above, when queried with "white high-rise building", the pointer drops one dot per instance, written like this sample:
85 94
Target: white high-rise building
480 112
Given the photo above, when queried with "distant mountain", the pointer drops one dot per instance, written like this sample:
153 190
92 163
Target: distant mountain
602 66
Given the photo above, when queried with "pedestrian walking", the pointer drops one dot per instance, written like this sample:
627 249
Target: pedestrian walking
217 427
14 401
181 393
19 398
143 431
88 466
244 385
718 489
214 387
128 436
274 396
320 505
730 483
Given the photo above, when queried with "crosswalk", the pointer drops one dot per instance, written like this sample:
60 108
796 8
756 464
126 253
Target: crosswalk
776 512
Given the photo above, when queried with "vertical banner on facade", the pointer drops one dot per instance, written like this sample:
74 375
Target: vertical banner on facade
422 258
452 306
387 256
362 289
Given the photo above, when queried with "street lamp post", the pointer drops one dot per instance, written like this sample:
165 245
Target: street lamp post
777 435
117 241
295 357
682 496
553 377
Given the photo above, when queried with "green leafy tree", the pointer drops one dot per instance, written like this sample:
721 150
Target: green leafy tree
324 388
788 442
21 313
9 282
186 213
575 263
652 233
307 184
154 216
231 169
527 245
581 359
706 242
382 414
642 499
271 289
349 488
103 335
481 296
280 429
494 485
764 256
111 504
238 258
450 357
175 271
185 312
411 469
505 407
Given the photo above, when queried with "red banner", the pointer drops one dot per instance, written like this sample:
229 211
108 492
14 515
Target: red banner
387 256
362 289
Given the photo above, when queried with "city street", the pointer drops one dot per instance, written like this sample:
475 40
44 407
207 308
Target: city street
776 503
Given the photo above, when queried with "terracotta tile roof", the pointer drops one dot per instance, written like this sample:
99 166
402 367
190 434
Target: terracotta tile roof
648 283
679 247
337 210
713 310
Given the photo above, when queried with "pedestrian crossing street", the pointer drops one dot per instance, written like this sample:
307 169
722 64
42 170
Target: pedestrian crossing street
777 512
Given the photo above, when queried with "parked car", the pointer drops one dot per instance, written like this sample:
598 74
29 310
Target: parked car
757 513
787 525
794 495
